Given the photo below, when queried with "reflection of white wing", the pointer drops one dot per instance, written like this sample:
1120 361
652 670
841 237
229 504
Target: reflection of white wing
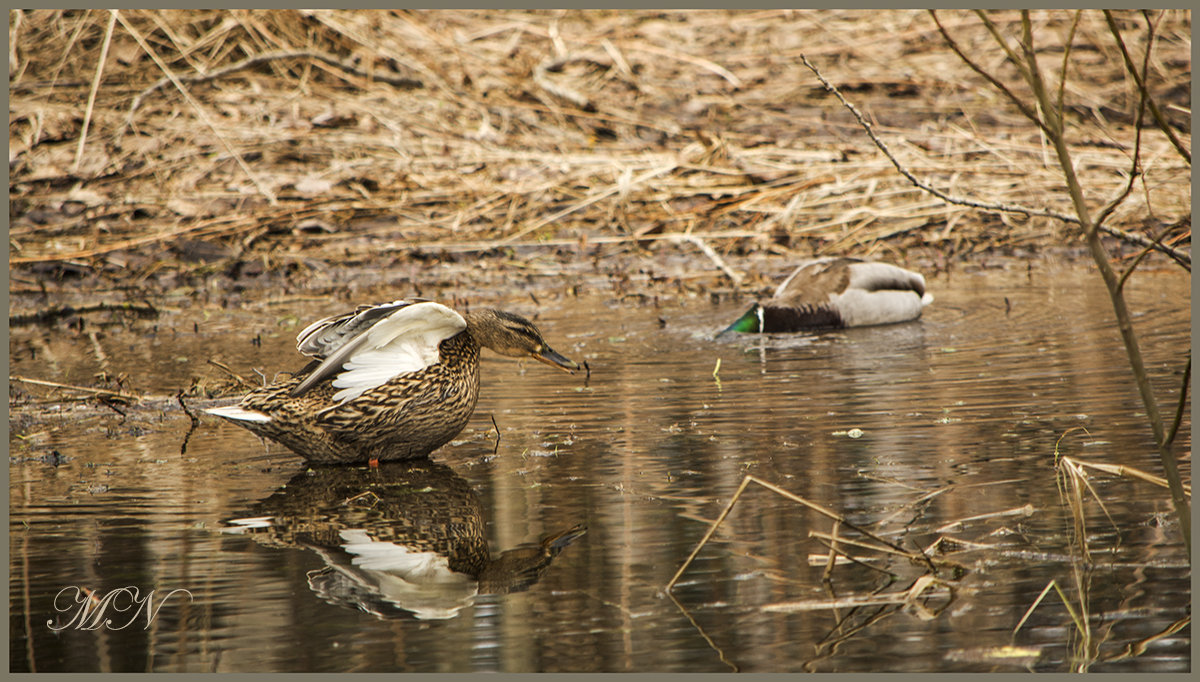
404 341
416 581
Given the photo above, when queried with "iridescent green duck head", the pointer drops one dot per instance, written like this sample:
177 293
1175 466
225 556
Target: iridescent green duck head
751 322
512 335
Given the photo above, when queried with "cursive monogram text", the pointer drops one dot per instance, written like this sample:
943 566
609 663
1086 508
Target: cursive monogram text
91 610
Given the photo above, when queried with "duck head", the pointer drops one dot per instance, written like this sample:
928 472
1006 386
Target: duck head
751 322
512 335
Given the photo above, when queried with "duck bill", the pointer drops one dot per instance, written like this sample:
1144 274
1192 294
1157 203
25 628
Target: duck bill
751 322
555 360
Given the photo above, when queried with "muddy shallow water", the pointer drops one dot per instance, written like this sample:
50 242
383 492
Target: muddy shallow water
565 519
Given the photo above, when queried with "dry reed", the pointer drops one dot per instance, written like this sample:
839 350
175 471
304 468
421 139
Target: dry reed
477 129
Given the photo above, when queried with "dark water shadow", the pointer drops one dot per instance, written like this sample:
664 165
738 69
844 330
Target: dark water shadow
399 540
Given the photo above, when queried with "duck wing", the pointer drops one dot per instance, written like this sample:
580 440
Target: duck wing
885 277
325 336
818 281
813 282
370 346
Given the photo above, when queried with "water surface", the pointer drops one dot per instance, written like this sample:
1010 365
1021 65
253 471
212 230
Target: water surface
939 435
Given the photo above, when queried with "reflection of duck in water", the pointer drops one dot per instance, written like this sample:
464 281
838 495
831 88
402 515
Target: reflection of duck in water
835 293
396 539
399 378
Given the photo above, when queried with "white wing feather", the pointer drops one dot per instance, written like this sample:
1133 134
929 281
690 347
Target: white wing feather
405 341
239 414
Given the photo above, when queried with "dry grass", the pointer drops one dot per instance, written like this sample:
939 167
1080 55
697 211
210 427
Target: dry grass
349 134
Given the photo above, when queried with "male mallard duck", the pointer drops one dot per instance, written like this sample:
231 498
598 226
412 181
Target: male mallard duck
391 381
835 293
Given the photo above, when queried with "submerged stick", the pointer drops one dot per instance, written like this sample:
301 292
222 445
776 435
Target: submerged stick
838 518
494 426
1122 470
98 392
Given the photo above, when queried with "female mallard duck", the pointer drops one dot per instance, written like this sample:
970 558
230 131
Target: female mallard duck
838 292
391 381
389 552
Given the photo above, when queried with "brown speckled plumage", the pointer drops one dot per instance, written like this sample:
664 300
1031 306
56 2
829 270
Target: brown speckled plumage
406 417
353 516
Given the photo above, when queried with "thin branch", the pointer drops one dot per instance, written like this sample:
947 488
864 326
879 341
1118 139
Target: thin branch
961 201
1003 43
1138 259
1182 257
1066 60
1134 173
1111 281
1141 83
1017 101
1143 95
1183 391
1031 114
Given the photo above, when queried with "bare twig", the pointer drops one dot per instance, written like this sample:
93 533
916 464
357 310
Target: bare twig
961 201
1141 83
1013 57
98 392
1183 391
1181 257
1055 121
1066 60
1142 255
1020 103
